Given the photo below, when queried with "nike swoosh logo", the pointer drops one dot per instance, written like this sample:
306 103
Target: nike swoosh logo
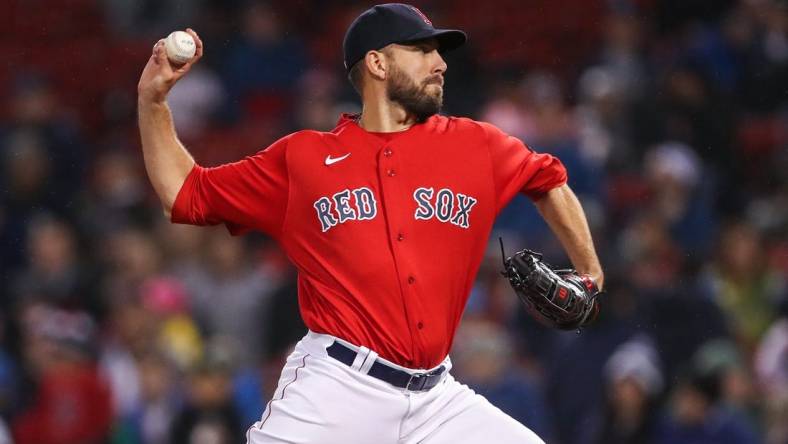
330 160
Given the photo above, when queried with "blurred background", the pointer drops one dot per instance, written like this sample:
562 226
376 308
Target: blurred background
670 115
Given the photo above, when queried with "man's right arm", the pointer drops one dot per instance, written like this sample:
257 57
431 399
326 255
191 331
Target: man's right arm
167 161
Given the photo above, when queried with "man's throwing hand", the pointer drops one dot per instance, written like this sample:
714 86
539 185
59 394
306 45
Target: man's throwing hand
160 75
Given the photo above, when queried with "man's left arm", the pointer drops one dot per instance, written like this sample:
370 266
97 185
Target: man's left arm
562 211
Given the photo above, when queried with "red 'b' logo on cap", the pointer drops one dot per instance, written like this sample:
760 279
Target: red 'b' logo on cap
421 14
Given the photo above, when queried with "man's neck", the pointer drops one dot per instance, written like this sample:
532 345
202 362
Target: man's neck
385 117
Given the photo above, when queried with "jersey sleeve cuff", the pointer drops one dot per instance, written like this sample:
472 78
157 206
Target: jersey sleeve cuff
182 208
558 178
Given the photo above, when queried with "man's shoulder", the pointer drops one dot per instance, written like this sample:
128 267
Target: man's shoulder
307 134
444 123
306 137
303 141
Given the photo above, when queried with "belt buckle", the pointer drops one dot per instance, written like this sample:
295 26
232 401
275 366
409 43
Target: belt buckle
419 378
422 378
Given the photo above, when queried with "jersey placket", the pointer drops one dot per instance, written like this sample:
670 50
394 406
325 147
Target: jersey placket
395 198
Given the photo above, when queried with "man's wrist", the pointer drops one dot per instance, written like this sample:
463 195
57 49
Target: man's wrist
143 101
598 278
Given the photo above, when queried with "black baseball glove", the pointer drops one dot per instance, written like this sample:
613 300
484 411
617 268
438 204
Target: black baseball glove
561 299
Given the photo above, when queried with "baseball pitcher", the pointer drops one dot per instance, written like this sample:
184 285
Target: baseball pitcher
386 218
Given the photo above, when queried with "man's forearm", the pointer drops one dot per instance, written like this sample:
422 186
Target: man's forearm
564 214
166 160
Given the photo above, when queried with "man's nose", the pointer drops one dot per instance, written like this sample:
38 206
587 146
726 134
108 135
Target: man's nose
439 65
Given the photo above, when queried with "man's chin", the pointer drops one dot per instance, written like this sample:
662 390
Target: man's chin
435 99
434 90
423 113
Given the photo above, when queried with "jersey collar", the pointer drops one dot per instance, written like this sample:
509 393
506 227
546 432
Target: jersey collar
351 119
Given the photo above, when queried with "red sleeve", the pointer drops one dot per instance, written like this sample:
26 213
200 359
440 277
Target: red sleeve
518 168
250 194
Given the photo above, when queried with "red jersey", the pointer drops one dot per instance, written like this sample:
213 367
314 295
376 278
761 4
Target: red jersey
387 231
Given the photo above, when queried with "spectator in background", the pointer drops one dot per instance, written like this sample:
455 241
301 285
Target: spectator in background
491 297
746 53
127 336
5 435
182 247
601 116
231 293
166 300
573 387
767 58
147 18
26 172
128 257
72 402
746 289
116 196
208 414
687 108
771 368
35 107
43 160
673 308
679 195
55 275
622 50
195 102
737 391
715 49
9 386
698 416
208 274
537 113
552 127
130 329
283 326
316 101
151 338
10 376
768 213
483 359
507 108
634 384
150 419
261 68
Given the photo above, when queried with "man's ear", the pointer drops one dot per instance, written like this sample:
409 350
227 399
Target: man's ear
377 64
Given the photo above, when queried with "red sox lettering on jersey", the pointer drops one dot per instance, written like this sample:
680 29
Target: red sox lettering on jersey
387 231
338 208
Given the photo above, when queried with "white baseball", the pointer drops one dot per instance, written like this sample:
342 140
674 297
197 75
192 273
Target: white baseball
180 47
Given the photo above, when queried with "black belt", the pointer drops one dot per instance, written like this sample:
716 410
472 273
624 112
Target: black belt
415 382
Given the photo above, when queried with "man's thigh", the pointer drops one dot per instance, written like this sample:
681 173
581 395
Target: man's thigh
460 416
318 401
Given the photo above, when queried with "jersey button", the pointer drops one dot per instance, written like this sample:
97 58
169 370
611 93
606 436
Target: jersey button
400 237
391 173
420 325
387 152
411 280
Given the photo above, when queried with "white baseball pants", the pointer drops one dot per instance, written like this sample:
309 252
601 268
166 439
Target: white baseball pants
320 400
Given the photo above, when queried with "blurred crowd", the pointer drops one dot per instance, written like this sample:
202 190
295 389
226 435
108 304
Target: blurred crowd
670 115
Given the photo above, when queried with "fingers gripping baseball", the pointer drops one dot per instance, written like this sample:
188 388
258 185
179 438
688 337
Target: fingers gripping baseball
161 73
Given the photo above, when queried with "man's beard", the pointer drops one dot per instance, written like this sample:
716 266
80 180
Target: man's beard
412 97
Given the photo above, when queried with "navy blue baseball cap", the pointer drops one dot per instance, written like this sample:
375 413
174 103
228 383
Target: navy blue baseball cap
390 23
